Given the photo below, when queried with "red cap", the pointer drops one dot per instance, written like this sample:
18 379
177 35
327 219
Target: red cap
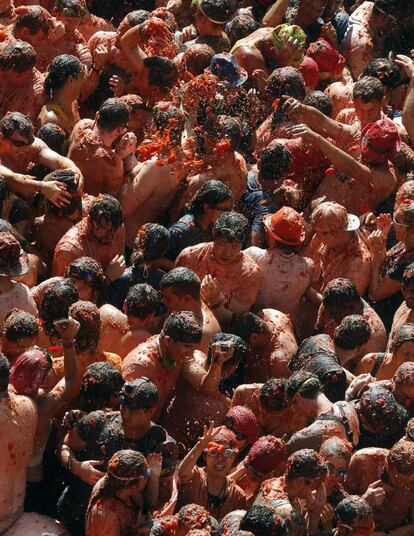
310 71
266 454
29 371
380 141
326 56
286 226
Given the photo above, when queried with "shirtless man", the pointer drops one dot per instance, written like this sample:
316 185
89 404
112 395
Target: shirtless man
100 235
20 331
125 331
180 290
405 313
99 147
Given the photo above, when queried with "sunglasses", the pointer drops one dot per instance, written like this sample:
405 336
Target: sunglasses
214 450
399 225
341 471
86 275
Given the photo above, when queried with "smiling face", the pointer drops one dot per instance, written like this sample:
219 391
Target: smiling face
219 464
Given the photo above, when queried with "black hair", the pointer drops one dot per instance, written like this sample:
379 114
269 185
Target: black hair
193 516
89 266
211 193
232 226
402 335
162 72
4 372
100 382
58 72
183 327
404 375
166 116
138 16
367 89
142 301
353 507
55 304
305 383
390 7
401 457
320 101
4 193
274 162
89 318
264 521
16 122
113 113
220 10
183 280
245 324
306 463
286 81
142 392
382 412
72 8
387 72
240 347
67 177
352 332
223 126
408 275
54 136
240 26
19 57
340 292
152 242
273 394
33 19
19 324
106 207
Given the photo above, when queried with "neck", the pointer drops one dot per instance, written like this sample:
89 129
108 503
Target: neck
137 431
136 324
106 137
6 284
344 241
215 483
203 221
124 495
344 355
64 99
323 404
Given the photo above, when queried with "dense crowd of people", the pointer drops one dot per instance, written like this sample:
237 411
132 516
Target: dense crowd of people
206 268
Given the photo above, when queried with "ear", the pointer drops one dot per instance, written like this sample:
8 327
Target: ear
124 308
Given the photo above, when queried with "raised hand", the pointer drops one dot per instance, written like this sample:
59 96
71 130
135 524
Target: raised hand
67 328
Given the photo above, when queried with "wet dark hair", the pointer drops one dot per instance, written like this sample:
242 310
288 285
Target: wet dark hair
273 394
106 207
19 57
390 7
142 301
408 275
152 242
4 372
19 324
380 409
16 122
353 507
240 348
274 162
245 324
193 516
55 304
100 382
33 18
113 113
89 266
286 81
320 101
138 16
89 318
335 446
404 375
183 327
141 392
222 126
58 72
67 177
54 136
352 332
163 72
211 193
4 192
305 383
166 116
197 57
183 280
404 334
240 26
306 463
232 226
72 8
340 292
264 521
387 72
367 89
401 457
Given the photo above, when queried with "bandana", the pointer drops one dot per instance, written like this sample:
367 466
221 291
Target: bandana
266 454
245 422
30 370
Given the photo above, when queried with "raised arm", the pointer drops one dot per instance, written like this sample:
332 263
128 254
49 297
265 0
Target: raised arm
130 47
54 160
408 111
185 470
276 13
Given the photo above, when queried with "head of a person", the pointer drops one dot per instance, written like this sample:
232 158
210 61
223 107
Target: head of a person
195 59
385 14
286 81
66 74
72 211
341 298
211 15
128 470
310 71
230 232
250 328
89 318
380 413
221 452
180 335
133 18
36 25
273 397
368 97
387 72
20 331
30 370
55 305
380 142
226 341
303 388
191 517
266 458
264 521
151 243
403 221
305 472
337 454
138 401
320 101
162 75
112 117
16 132
273 164
141 304
281 39
402 345
210 201
241 26
168 118
242 421
87 275
355 517
180 288
223 132
285 229
139 112
333 225
407 286
403 386
330 63
71 12
4 373
105 218
54 136
100 387
400 463
352 333
17 61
